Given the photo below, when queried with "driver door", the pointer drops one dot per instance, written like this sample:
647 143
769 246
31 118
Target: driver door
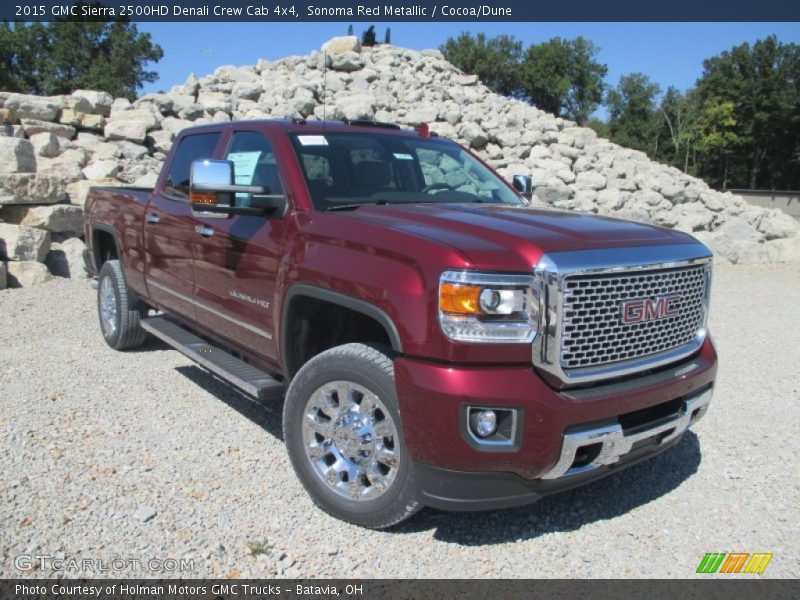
236 264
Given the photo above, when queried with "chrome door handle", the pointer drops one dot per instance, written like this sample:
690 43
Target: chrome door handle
153 218
204 230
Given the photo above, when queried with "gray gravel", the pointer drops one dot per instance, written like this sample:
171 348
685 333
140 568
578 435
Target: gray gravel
142 455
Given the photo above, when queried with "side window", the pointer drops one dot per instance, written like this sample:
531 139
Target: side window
192 147
253 163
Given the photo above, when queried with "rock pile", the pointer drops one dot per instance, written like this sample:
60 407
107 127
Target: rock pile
53 149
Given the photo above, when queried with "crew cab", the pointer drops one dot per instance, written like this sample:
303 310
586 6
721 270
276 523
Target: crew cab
436 341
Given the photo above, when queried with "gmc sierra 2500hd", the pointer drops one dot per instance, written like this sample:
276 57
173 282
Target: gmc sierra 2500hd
437 341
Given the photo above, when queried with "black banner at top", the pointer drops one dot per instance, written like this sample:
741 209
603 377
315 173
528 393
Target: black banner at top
477 11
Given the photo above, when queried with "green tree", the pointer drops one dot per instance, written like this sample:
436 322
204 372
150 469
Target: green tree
62 56
632 119
676 130
717 139
762 82
564 77
560 76
495 61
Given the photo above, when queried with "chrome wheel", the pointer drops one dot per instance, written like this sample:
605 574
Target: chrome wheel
350 440
108 307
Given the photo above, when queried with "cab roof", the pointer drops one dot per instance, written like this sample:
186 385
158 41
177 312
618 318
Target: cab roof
320 127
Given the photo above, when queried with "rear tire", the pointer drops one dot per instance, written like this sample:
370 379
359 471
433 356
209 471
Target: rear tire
343 433
118 309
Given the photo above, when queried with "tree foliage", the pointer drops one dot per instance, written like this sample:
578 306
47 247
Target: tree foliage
564 77
495 61
761 85
62 56
631 108
559 76
738 127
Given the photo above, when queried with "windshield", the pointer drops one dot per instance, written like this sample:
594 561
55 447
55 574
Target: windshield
347 170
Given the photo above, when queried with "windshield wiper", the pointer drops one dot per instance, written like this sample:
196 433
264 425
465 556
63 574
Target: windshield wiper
354 205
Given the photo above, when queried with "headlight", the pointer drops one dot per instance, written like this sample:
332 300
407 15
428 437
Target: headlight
488 307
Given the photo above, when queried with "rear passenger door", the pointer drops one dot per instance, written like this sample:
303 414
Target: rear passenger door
169 229
236 265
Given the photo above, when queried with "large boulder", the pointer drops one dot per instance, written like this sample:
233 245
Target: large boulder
124 129
17 155
341 45
23 243
346 62
56 218
775 224
45 144
103 169
27 273
64 168
99 102
31 188
131 125
356 106
74 118
78 191
34 107
34 126
213 102
65 259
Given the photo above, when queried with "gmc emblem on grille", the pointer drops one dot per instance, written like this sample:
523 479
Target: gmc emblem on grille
641 310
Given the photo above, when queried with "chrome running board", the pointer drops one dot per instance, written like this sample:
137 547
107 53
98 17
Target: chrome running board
244 376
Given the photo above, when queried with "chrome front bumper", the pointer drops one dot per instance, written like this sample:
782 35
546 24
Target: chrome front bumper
614 443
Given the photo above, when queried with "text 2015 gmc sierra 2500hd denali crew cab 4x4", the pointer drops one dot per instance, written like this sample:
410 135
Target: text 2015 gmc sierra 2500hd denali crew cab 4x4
438 342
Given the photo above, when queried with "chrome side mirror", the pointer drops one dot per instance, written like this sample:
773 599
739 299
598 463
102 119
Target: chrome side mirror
209 183
212 190
524 185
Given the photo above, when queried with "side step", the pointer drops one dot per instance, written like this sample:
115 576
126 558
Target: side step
244 376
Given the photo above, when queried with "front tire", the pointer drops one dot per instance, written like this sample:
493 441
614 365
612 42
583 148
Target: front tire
344 437
119 311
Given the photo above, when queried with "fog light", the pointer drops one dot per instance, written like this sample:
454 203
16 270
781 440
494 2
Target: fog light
483 423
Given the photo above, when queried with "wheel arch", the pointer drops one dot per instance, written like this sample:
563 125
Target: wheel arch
101 233
301 291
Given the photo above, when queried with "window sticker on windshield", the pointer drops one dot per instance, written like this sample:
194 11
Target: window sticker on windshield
312 140
399 156
244 166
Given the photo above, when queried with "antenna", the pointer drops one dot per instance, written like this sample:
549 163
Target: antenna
324 85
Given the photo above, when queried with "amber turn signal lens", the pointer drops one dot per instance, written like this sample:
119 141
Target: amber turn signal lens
197 198
459 299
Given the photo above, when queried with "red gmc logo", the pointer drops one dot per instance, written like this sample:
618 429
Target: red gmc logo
641 310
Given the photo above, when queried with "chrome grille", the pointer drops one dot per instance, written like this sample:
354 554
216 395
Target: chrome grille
592 330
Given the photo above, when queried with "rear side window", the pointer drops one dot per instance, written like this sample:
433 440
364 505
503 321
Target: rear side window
192 147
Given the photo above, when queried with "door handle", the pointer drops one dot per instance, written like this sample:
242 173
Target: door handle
204 230
153 218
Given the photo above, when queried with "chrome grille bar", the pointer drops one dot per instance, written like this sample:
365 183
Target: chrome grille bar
593 332
581 295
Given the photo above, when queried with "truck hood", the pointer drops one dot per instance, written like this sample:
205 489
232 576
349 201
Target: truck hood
507 237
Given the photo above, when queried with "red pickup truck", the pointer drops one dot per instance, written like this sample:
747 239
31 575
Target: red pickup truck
438 342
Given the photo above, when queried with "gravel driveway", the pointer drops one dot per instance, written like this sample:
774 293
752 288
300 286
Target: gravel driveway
142 455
